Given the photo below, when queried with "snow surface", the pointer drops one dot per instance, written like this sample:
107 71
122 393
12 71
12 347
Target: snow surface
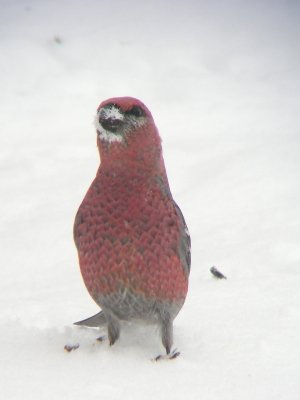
221 79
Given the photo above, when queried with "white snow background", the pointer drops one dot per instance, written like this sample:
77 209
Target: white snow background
221 79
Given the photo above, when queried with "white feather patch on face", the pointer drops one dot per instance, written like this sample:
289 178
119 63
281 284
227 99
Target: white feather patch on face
108 136
111 112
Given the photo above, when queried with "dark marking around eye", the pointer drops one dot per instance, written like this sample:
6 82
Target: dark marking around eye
136 111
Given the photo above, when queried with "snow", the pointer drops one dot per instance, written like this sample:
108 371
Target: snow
221 79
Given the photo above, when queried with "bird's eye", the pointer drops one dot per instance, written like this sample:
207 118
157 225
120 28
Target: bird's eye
136 111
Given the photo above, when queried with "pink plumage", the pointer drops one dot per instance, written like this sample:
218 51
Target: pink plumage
132 240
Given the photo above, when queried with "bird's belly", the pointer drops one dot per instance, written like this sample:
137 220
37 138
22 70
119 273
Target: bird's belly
127 305
125 268
132 259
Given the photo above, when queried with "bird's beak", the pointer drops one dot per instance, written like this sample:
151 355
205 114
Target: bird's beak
110 124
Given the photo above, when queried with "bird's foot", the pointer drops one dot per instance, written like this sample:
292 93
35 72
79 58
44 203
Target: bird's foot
71 347
101 338
171 356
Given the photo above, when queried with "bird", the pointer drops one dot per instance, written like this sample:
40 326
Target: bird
133 243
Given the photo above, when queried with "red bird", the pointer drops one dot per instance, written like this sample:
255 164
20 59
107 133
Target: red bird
132 240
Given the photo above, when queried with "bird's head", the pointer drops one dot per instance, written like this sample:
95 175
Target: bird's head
126 130
118 118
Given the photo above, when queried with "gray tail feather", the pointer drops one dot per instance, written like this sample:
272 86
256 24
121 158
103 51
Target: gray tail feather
94 321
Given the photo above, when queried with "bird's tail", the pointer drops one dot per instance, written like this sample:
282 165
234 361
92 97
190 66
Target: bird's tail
94 321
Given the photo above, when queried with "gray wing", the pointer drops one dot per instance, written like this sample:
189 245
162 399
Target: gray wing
185 242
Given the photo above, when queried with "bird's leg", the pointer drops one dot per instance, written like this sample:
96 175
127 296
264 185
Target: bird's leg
166 328
167 333
113 328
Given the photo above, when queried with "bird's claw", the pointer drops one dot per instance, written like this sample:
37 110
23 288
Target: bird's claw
101 338
71 347
171 356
